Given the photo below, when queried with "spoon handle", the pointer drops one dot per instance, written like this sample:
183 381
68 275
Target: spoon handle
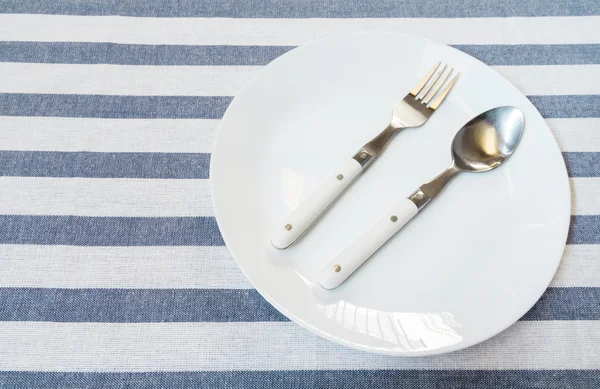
341 267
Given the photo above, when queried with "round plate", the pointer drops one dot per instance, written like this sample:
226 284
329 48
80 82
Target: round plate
471 264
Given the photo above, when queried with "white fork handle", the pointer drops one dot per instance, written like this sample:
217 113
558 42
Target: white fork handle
295 224
341 267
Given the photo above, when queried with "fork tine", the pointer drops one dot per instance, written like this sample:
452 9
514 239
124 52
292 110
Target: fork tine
421 84
436 103
433 82
438 86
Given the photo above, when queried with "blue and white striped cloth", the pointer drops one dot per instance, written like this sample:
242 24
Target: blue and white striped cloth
112 270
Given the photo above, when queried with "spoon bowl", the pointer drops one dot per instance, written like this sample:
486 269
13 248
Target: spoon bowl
488 139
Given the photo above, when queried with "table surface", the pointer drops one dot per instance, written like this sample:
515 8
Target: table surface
112 269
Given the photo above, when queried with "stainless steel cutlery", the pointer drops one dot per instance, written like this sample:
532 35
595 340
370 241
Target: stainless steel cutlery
481 145
412 111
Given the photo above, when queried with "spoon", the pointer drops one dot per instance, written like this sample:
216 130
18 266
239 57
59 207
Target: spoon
481 145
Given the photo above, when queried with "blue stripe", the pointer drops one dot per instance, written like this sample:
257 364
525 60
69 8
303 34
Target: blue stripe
126 54
566 304
109 231
585 229
135 305
166 231
168 165
213 107
520 55
216 305
307 8
110 106
582 164
104 165
309 379
567 106
191 55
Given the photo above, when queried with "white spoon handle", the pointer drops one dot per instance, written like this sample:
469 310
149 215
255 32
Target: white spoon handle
341 267
294 225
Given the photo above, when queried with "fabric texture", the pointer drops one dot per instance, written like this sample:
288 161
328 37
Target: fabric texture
113 272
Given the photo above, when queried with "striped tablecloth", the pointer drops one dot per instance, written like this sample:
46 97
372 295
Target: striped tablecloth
112 270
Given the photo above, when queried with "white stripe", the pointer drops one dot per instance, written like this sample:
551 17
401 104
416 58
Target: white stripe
149 197
579 267
31 266
119 267
104 197
125 79
217 31
576 134
554 80
188 135
44 346
107 135
229 80
585 196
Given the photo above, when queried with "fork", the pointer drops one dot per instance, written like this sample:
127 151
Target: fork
412 111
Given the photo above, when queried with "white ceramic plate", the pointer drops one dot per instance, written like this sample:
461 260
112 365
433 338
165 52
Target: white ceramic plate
465 269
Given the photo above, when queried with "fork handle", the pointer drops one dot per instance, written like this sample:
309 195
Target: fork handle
295 224
348 261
